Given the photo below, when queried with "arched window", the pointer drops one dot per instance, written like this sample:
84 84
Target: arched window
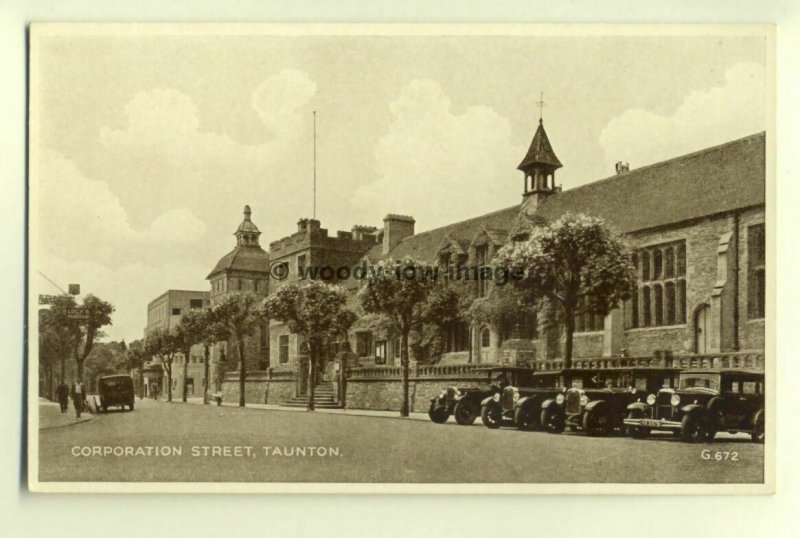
681 262
659 304
657 264
486 337
646 307
669 299
645 266
681 301
635 310
669 263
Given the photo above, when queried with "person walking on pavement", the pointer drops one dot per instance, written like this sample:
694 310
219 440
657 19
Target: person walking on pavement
63 397
78 393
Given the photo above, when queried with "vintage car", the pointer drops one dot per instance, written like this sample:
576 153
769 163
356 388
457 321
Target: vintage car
598 405
520 405
115 390
465 402
705 402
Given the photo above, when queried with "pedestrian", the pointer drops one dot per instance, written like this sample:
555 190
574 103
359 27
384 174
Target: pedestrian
63 397
218 398
78 393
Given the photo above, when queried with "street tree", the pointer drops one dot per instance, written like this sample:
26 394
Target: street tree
190 331
315 311
575 262
237 316
399 290
96 314
137 357
164 344
59 333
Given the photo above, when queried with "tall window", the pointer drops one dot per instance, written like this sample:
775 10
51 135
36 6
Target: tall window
457 336
586 321
195 304
481 256
661 292
283 348
380 352
363 343
756 275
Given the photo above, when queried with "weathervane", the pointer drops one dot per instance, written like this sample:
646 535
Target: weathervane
541 104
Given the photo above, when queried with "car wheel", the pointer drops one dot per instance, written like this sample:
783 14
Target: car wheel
758 433
130 407
552 421
693 428
492 415
525 418
438 414
104 408
637 432
596 424
465 413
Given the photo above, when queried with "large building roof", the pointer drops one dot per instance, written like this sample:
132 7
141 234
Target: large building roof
711 181
241 258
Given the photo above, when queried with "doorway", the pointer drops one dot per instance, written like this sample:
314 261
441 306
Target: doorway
701 319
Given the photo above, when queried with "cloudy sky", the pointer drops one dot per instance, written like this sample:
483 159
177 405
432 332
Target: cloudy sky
146 147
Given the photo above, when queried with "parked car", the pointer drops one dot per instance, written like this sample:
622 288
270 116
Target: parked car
115 390
465 402
520 405
600 406
705 402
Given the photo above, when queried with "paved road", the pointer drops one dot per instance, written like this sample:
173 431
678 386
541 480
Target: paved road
344 448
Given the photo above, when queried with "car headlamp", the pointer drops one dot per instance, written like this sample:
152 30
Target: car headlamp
516 394
442 394
584 400
675 400
496 396
560 399
651 399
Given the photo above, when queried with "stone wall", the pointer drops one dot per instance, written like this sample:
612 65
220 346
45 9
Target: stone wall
260 388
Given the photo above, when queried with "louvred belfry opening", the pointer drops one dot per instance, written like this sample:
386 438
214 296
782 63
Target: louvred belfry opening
540 164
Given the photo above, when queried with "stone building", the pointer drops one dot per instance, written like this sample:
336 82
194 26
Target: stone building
245 268
311 253
696 223
165 313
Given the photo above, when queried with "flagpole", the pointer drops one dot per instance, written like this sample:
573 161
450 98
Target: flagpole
314 214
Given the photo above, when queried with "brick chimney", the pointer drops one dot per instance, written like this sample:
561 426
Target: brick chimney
395 229
622 167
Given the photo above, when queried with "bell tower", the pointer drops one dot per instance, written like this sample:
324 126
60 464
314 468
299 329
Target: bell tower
539 166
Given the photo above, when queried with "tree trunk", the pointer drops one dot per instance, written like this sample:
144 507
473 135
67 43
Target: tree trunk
404 360
569 324
169 381
80 368
312 378
205 374
185 374
242 370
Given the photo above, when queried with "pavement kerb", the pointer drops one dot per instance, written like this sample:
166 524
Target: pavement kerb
349 412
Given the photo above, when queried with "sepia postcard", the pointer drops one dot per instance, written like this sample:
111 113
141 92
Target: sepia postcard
366 258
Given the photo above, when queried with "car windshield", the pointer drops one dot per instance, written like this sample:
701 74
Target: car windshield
707 381
112 383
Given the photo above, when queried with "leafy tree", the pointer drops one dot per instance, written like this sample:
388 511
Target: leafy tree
191 330
399 291
59 334
237 316
137 357
105 359
163 344
575 262
98 314
316 311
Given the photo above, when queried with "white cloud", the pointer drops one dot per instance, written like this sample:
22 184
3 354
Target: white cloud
80 218
735 109
441 166
164 154
128 287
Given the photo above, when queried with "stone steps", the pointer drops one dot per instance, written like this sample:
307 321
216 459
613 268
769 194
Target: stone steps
323 399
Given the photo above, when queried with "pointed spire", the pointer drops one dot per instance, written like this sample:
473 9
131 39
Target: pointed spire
540 153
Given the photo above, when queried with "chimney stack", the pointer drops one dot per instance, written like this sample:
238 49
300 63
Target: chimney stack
622 167
395 229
